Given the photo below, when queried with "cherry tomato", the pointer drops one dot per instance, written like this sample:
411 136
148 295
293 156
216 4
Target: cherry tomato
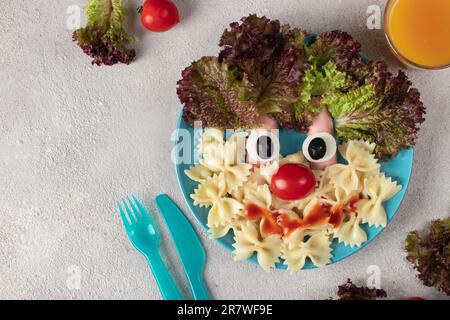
159 15
293 182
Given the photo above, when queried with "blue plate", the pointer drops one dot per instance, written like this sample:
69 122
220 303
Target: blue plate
399 168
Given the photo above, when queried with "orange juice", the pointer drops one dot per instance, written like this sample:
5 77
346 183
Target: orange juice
419 31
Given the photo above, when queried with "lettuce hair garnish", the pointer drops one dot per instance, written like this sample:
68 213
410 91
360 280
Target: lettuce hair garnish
265 69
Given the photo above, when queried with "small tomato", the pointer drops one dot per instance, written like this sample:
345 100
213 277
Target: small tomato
159 15
293 182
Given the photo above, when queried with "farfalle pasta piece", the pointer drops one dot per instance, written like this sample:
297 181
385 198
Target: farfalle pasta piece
344 177
210 137
263 174
261 196
210 191
222 230
360 161
198 173
223 211
368 146
213 157
350 231
339 198
280 204
297 158
360 157
303 244
220 156
236 175
247 242
244 190
320 178
377 189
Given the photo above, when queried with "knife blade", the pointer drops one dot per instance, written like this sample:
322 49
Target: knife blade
187 244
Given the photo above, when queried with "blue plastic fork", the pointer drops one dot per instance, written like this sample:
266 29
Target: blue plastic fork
144 236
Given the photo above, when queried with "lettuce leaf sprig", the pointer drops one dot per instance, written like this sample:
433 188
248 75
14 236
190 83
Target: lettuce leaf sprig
384 109
216 95
430 255
103 38
268 70
259 57
349 291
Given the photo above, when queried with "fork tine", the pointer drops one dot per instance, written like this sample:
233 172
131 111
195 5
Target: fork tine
124 216
143 211
130 214
145 215
136 212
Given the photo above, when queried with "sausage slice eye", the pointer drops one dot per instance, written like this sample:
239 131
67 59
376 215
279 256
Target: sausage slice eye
319 147
263 146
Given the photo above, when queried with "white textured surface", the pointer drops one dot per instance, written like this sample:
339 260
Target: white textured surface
75 137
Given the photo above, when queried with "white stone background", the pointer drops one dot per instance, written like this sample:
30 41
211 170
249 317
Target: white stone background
75 137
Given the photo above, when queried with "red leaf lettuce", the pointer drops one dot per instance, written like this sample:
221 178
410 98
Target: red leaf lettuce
430 255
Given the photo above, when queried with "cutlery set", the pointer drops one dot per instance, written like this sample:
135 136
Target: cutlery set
144 236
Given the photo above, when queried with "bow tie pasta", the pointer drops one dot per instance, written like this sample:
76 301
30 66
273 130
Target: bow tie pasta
248 242
377 189
303 244
350 231
239 199
220 156
361 162
224 210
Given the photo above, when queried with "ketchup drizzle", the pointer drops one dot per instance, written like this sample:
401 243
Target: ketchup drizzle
283 224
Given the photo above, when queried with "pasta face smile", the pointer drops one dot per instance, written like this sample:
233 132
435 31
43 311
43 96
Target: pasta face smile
346 196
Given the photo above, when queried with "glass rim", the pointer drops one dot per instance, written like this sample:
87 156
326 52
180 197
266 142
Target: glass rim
396 52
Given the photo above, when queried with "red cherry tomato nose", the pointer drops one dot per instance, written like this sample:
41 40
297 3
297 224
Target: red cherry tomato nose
293 182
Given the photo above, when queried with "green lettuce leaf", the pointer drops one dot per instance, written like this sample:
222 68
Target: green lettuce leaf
214 94
383 110
341 48
430 255
318 82
104 38
322 76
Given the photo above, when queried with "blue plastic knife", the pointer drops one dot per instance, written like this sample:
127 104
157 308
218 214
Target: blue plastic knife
189 247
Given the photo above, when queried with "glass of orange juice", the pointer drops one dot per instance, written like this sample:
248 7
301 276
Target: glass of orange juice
418 31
